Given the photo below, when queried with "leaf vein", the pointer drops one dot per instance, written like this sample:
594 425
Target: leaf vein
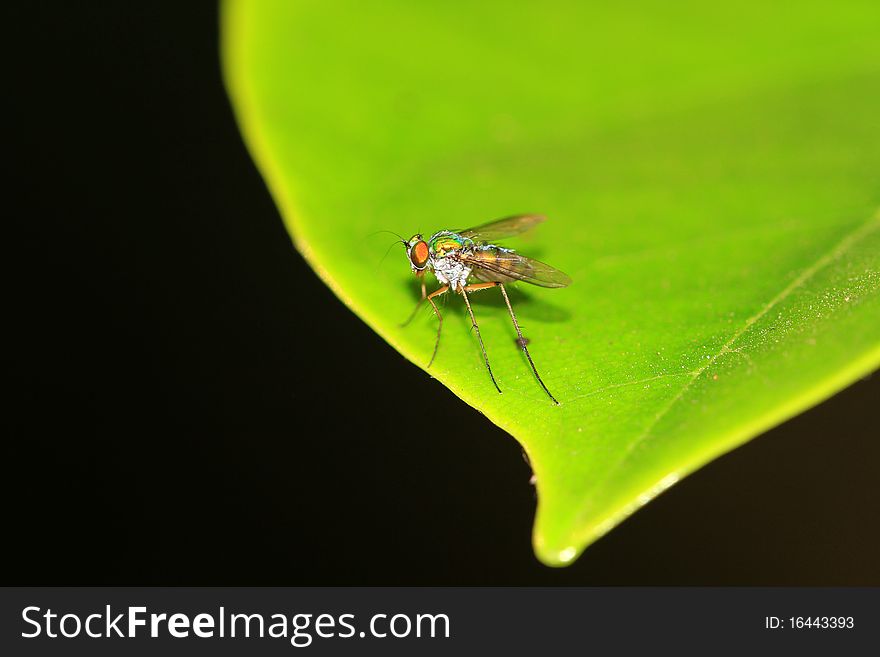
835 253
625 384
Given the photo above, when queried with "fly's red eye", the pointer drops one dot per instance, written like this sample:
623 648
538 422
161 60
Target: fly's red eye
419 254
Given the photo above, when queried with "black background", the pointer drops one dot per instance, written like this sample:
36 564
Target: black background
189 402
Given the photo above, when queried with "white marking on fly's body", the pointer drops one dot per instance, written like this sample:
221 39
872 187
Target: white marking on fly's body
451 271
495 247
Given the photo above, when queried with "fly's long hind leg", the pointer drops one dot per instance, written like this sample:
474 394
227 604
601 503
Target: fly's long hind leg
477 329
430 298
418 305
522 343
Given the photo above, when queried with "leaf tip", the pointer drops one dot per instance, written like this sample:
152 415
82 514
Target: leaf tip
556 551
560 538
558 557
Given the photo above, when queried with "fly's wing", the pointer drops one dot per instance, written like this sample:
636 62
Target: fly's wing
501 228
504 266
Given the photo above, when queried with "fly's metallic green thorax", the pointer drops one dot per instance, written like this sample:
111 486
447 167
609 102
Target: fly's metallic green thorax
445 242
449 252
466 261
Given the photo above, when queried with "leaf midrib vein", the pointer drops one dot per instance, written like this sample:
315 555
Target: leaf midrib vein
835 253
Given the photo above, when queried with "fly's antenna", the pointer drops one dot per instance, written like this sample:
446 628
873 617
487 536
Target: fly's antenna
399 240
390 232
393 244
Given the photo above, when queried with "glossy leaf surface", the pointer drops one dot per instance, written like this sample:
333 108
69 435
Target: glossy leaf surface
711 175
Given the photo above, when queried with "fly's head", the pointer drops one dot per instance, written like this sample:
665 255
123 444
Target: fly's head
418 254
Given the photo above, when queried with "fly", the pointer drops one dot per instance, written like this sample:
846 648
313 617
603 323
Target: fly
468 261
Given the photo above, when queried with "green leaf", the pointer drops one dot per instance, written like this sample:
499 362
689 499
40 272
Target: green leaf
710 174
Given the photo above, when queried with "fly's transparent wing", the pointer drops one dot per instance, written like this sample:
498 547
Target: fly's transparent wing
501 228
504 266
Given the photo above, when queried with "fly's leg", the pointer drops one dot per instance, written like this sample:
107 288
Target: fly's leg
522 343
430 298
477 328
418 304
475 287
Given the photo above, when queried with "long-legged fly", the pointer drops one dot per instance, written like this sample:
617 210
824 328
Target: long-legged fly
468 260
